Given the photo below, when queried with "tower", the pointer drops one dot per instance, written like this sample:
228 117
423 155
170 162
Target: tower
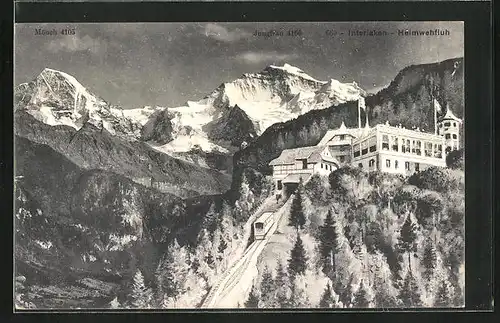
449 127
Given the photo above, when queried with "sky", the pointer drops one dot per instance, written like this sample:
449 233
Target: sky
167 64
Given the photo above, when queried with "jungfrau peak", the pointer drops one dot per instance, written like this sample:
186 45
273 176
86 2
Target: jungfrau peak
276 94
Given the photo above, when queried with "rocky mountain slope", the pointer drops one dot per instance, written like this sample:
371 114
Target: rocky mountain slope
91 147
82 234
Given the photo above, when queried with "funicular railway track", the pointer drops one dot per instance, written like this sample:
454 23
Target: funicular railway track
233 275
239 266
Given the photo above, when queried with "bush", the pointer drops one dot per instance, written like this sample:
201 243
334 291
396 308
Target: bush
405 199
317 191
429 204
455 159
437 179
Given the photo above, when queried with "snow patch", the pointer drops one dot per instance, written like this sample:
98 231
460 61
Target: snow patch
44 244
119 242
295 71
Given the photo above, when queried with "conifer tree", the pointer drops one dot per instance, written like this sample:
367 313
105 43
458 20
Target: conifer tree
407 239
409 293
384 291
281 283
326 300
171 273
297 264
443 296
221 248
344 291
383 299
297 217
114 304
266 285
361 297
141 295
328 244
429 259
298 297
253 299
209 259
458 296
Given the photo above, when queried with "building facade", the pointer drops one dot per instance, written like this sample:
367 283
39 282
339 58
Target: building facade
301 163
397 150
449 127
386 148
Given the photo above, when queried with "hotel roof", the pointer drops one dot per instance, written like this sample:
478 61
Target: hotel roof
449 115
311 153
342 130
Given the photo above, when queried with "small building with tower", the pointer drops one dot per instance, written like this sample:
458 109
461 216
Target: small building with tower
449 127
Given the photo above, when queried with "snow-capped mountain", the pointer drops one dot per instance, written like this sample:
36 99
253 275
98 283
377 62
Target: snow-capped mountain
57 98
276 94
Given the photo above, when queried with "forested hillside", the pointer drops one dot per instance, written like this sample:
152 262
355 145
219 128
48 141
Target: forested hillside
360 239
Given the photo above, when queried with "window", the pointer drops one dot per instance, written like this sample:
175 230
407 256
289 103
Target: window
403 145
396 164
419 148
440 151
454 124
447 136
360 165
385 142
446 124
371 163
413 147
437 152
428 149
448 149
280 185
331 167
321 165
304 163
407 165
341 159
407 146
364 147
259 225
356 150
417 167
454 136
388 163
342 137
394 145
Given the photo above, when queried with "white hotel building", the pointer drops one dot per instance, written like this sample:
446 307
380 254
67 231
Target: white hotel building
383 147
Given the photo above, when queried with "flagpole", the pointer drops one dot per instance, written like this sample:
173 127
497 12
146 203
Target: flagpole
359 114
435 116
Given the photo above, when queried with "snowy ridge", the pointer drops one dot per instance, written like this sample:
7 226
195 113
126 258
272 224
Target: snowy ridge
276 94
57 98
294 70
